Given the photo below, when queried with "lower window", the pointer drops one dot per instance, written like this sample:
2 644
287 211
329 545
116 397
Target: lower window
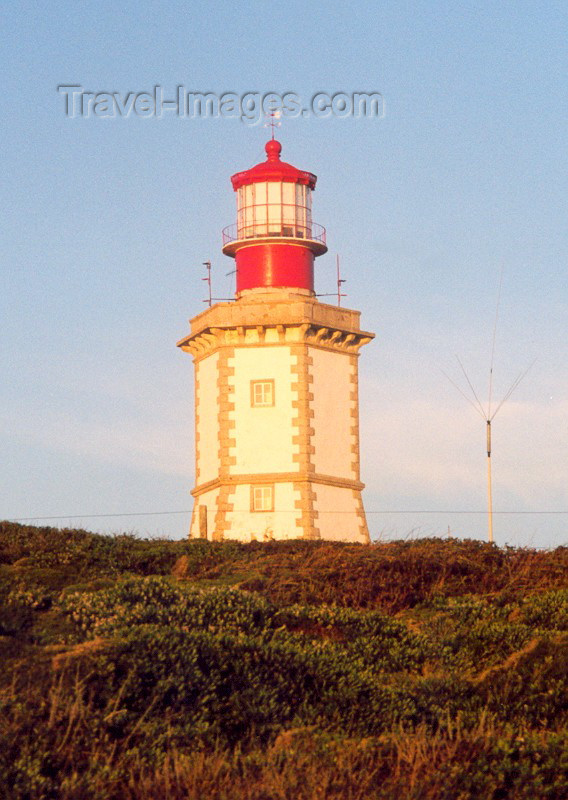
262 498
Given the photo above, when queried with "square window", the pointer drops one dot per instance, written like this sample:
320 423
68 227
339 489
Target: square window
262 498
262 393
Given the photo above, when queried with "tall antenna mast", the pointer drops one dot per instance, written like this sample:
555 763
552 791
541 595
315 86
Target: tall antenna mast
488 420
486 413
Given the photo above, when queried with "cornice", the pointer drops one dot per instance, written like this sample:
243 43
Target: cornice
328 337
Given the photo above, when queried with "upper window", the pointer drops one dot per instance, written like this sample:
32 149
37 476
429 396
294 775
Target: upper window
262 393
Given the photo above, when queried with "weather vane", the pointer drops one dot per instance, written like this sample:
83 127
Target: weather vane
273 120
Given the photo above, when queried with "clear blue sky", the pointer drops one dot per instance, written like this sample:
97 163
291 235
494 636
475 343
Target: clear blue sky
107 221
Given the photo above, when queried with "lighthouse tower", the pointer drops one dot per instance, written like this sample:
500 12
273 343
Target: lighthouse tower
276 387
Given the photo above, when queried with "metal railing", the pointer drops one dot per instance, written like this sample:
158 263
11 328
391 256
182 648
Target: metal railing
290 230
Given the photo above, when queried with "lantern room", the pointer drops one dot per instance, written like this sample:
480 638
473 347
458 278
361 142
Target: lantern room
274 240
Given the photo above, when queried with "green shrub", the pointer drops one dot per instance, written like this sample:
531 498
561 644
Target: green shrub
523 767
532 686
546 610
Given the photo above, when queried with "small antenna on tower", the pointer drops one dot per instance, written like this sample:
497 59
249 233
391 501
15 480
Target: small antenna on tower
207 264
340 281
210 300
485 412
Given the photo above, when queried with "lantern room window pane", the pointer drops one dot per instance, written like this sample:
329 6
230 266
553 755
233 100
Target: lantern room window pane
288 209
260 227
240 213
260 210
288 197
274 208
248 210
301 222
274 192
260 196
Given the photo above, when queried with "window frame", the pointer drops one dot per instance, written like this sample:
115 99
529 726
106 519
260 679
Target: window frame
262 487
257 382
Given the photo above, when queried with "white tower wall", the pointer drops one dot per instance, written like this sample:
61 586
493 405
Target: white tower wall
332 388
263 435
277 439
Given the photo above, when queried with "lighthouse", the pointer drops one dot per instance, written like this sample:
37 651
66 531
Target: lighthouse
276 378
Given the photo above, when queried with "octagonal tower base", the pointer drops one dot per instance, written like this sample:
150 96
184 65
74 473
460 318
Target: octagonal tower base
277 419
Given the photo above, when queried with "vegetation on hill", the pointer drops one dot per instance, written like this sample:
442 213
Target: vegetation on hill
140 669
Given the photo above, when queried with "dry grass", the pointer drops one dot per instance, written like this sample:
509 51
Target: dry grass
391 576
411 765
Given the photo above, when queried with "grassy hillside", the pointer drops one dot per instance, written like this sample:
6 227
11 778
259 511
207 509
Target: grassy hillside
138 670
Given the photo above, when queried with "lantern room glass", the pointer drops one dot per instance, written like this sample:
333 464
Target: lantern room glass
274 208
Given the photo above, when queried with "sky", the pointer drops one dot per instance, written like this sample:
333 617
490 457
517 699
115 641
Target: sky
107 220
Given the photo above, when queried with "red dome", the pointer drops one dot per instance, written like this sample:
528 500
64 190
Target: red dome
273 170
273 149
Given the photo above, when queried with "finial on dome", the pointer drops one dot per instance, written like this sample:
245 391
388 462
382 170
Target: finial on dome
273 149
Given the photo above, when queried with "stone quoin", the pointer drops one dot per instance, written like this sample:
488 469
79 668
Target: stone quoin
276 379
